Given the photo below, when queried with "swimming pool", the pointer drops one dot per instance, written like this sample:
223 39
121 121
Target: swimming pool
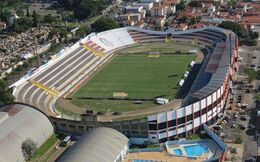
143 161
177 152
195 150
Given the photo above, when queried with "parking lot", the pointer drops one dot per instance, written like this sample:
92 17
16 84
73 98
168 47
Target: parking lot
237 127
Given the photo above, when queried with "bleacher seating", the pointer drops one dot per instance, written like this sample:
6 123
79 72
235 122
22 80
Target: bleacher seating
112 39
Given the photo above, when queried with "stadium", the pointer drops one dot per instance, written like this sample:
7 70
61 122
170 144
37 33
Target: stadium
204 94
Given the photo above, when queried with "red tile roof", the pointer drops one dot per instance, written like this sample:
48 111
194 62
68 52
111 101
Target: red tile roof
251 20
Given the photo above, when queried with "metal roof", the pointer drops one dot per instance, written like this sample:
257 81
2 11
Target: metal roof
18 123
217 65
99 145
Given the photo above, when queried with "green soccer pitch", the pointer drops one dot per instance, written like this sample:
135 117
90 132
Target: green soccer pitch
137 75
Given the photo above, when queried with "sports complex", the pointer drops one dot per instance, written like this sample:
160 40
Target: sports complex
112 70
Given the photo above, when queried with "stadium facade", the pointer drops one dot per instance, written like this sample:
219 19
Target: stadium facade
204 102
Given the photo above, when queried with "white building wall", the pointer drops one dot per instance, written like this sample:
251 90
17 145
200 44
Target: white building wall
171 115
188 109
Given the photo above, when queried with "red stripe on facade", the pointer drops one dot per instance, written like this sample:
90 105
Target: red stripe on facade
217 101
157 128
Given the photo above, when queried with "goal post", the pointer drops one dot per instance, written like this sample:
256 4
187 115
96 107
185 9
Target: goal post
154 54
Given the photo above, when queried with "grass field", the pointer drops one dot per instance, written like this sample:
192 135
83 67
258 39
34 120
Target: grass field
137 75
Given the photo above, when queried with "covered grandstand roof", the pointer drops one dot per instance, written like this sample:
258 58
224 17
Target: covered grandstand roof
100 144
19 122
214 73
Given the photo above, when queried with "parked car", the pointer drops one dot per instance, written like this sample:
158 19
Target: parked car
243 118
227 118
66 141
235 116
233 125
242 126
250 126
248 91
217 127
221 134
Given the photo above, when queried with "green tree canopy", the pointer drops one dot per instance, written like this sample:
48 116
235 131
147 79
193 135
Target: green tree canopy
54 32
5 94
28 148
49 19
89 8
235 27
251 74
69 4
180 6
35 19
195 4
5 14
231 3
104 23
22 24
246 37
183 19
83 30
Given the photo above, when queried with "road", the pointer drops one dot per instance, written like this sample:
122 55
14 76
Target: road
251 57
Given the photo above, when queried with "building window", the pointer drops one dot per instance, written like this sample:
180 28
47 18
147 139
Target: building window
81 127
181 120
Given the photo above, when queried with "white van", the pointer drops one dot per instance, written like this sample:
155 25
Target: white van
66 141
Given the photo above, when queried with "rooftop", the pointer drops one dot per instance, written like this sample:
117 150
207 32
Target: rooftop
100 144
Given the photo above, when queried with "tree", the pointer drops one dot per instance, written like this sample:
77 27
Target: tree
216 3
193 21
258 75
246 37
104 23
235 27
183 19
89 8
257 97
83 30
180 6
13 2
5 94
53 32
251 74
28 148
22 24
195 4
35 18
233 151
231 3
64 34
27 12
5 14
20 12
49 19
69 4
